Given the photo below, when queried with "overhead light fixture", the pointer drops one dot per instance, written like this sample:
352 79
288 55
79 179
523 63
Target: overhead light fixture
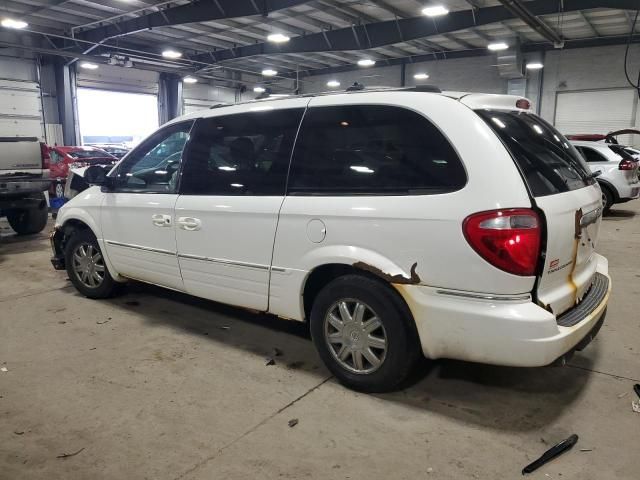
259 89
333 83
497 46
421 76
190 79
366 62
173 54
88 65
12 23
534 66
269 72
435 11
278 38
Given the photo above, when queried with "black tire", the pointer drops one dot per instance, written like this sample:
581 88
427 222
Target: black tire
28 221
402 343
607 198
105 288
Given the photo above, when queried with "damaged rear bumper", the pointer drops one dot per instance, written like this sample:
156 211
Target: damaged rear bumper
497 329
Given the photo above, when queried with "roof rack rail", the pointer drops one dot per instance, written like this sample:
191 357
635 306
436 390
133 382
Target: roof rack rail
353 89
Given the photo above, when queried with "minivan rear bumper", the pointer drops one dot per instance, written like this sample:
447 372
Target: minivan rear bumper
498 329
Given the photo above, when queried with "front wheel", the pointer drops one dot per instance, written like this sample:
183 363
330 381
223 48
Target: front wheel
364 334
86 267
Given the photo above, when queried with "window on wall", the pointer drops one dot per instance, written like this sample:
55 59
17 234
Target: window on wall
372 150
241 154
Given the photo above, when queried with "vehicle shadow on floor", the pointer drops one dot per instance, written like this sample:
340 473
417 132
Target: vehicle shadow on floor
618 214
12 243
510 399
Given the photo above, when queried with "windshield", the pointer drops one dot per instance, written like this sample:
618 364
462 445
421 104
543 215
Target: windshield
87 154
546 159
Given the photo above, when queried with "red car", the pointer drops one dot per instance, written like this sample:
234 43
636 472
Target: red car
62 158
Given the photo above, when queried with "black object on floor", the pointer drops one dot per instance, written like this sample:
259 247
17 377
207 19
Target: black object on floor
552 453
636 388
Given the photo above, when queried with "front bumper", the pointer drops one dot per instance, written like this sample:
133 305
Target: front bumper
501 330
56 238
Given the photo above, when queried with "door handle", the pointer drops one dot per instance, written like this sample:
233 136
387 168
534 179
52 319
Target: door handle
160 220
189 223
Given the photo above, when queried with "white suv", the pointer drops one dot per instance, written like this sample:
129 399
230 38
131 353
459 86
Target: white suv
618 170
397 223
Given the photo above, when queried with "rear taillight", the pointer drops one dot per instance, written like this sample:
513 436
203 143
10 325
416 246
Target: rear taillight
507 239
44 154
627 164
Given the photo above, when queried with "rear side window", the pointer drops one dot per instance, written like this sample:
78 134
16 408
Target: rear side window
590 155
372 150
548 162
241 154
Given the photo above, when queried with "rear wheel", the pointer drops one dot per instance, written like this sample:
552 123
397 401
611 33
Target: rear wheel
607 198
29 220
86 266
364 334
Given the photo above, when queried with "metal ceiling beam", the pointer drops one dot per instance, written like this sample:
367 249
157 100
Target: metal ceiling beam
379 34
198 11
532 47
522 12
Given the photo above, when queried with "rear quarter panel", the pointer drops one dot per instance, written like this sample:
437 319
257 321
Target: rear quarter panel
391 234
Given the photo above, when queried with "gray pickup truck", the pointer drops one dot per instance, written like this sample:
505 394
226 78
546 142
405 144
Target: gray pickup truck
24 183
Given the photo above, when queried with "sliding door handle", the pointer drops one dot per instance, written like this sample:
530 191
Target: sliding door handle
160 220
189 223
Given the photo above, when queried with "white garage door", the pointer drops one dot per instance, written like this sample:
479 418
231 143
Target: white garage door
20 109
597 111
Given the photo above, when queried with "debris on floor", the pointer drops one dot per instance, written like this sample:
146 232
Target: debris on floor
4 369
636 388
553 452
18 432
586 449
102 322
269 361
293 422
67 455
635 406
225 327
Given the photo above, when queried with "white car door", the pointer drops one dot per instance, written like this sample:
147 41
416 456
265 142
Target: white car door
232 188
137 215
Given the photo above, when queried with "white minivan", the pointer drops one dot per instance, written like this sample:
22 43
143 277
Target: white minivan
398 223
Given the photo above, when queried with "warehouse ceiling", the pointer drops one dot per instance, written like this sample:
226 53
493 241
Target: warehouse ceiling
225 39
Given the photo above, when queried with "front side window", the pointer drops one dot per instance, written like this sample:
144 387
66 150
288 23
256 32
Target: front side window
548 162
55 156
153 166
241 154
372 150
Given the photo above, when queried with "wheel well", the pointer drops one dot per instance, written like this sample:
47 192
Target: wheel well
63 235
610 188
322 275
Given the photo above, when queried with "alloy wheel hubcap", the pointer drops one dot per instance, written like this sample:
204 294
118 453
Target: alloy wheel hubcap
355 335
88 265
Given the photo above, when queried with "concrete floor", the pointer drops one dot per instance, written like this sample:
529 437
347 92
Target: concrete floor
152 385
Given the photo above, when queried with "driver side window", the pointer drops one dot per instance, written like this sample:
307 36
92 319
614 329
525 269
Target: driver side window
155 164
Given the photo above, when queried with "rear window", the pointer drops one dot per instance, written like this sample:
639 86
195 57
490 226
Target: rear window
548 162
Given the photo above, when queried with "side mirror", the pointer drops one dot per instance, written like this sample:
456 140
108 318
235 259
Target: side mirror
95 175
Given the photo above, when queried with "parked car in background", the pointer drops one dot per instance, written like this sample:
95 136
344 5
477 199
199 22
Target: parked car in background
376 216
64 158
618 167
24 183
117 151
